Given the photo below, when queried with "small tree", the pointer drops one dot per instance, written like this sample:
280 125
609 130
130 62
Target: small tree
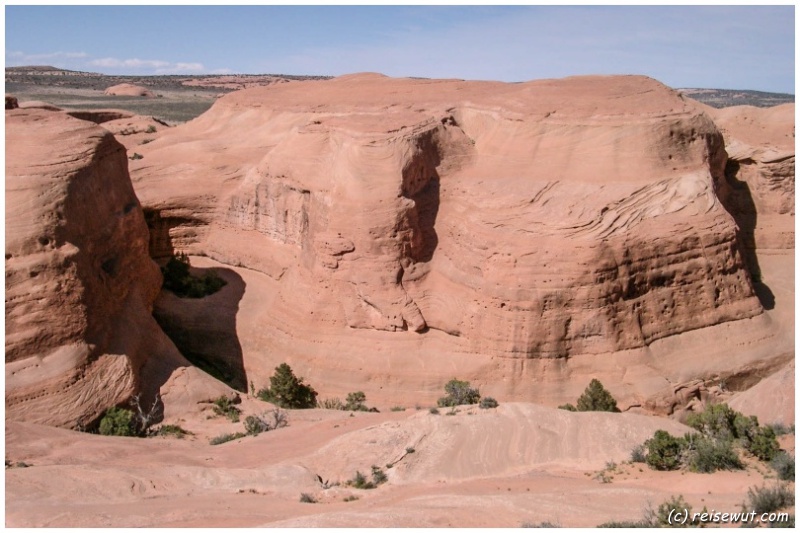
597 398
664 451
118 422
288 391
355 401
459 393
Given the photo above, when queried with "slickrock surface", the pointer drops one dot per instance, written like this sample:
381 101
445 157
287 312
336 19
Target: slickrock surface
79 282
128 89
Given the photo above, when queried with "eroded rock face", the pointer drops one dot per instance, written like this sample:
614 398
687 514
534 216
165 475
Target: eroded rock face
760 173
535 220
79 281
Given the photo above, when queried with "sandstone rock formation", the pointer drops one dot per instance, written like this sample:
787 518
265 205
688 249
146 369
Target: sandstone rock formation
534 220
128 89
79 281
760 145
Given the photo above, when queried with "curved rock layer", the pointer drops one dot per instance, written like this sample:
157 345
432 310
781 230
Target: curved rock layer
534 220
80 284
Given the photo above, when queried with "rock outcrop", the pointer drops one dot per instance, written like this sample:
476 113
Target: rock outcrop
534 220
128 89
80 284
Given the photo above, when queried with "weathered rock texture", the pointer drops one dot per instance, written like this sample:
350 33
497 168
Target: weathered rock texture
79 281
532 220
760 172
128 89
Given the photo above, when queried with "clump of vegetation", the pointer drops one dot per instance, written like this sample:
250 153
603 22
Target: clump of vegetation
178 279
224 406
594 398
360 481
136 422
355 402
567 407
721 431
332 403
433 411
546 524
271 420
769 499
136 156
664 451
782 429
288 391
488 403
637 454
459 393
171 430
118 422
783 463
664 516
227 437
150 129
397 409
307 498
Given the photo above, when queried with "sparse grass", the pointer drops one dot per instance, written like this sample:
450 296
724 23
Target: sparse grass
146 141
769 499
171 430
637 454
332 403
307 498
397 408
223 406
268 421
546 524
783 463
227 437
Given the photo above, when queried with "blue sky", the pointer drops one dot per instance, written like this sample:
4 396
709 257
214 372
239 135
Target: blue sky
732 47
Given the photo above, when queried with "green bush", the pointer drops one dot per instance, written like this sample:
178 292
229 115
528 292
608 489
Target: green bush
597 398
227 437
783 463
706 454
769 499
178 279
288 391
118 422
307 498
637 454
664 451
762 443
567 407
459 393
172 430
355 402
433 411
224 406
488 403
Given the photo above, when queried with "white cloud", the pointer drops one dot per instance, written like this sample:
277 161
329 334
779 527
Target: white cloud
17 58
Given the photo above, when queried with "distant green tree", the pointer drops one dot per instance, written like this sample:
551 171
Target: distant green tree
288 391
597 398
459 393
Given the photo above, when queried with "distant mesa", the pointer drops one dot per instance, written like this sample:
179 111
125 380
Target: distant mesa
128 89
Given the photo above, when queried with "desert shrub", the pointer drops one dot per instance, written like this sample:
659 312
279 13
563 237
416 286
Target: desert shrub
769 499
224 406
706 454
625 524
637 454
307 498
782 429
488 403
171 430
178 279
783 463
719 421
355 401
359 481
136 156
410 449
288 391
546 524
664 451
227 437
596 398
332 403
150 129
350 498
433 411
118 422
378 475
762 443
567 407
670 508
459 393
397 408
274 419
